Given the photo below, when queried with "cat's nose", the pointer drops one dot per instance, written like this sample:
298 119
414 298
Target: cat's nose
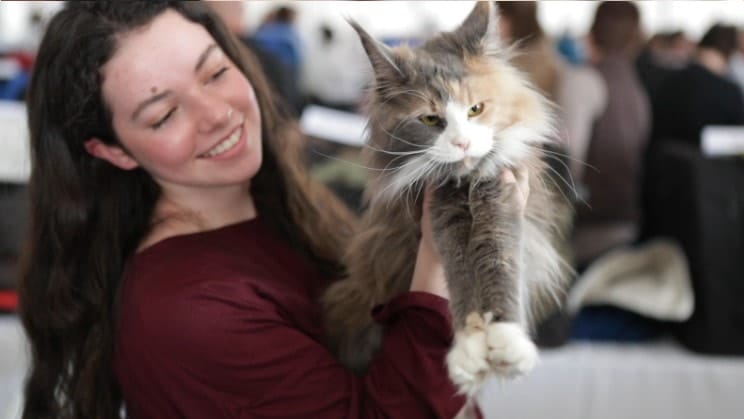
461 143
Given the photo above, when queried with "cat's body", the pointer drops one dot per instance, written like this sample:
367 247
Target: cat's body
454 114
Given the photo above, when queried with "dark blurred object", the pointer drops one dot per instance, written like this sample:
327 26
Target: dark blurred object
663 54
699 202
700 94
554 330
13 215
613 324
692 98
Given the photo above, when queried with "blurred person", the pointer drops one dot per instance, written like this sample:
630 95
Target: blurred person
536 56
663 54
280 75
570 48
580 95
702 93
277 36
610 215
578 91
737 62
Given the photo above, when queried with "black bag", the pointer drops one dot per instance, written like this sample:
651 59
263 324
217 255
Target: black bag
699 202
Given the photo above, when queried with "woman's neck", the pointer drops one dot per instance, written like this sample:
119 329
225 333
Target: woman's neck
179 213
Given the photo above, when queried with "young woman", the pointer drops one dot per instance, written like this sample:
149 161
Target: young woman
177 246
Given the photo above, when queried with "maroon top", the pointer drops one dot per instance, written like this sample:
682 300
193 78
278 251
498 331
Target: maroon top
225 324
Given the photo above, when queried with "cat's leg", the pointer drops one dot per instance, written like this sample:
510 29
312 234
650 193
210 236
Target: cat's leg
452 224
496 253
493 337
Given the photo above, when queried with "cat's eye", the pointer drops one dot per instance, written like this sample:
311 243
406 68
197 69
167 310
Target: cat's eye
475 110
430 120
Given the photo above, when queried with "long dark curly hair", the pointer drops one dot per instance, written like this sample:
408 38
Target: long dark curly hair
88 217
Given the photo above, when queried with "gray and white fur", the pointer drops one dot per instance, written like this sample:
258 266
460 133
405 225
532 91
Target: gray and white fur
454 113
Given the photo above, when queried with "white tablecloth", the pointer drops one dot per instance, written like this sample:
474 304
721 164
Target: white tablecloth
612 381
13 364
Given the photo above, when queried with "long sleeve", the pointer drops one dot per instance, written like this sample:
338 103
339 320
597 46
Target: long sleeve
228 350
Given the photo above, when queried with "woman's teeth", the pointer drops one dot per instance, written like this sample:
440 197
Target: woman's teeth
226 145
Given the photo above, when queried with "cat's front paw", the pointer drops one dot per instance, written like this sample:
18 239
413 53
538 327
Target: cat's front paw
510 351
467 361
485 347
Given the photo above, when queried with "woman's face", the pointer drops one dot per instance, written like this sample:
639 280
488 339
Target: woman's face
181 108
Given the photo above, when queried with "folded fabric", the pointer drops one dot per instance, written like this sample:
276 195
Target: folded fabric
652 280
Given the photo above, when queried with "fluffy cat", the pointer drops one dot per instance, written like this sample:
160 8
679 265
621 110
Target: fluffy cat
454 114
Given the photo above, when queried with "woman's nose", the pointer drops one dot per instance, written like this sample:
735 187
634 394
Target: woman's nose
213 113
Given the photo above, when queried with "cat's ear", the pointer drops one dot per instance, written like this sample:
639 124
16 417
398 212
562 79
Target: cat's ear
479 32
384 62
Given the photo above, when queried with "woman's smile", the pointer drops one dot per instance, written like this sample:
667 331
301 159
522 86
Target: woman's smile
229 146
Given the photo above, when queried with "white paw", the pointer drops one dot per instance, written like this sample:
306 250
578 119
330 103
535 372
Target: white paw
510 350
486 347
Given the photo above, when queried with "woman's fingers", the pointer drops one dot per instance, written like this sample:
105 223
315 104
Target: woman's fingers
520 177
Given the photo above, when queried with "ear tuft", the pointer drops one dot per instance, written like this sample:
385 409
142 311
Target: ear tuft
384 61
478 32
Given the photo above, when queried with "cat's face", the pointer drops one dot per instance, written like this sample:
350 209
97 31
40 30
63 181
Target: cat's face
451 108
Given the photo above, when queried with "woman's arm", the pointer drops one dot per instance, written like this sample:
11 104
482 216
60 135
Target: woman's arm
428 275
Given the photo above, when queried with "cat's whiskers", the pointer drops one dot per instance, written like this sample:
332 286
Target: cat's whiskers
568 171
355 164
558 154
409 174
571 186
414 93
565 182
397 168
395 153
395 137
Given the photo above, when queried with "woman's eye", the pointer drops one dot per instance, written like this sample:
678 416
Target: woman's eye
430 120
163 120
218 74
475 110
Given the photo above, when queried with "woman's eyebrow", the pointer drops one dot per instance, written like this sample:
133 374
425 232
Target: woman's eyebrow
203 57
147 102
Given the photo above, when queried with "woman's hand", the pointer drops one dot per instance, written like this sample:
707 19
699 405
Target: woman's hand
521 179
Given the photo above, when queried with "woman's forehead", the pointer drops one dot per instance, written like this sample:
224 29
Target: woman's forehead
154 56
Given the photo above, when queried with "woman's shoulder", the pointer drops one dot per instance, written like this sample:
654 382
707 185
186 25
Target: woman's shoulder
178 266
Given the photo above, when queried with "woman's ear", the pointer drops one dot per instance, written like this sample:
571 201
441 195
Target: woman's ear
110 153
